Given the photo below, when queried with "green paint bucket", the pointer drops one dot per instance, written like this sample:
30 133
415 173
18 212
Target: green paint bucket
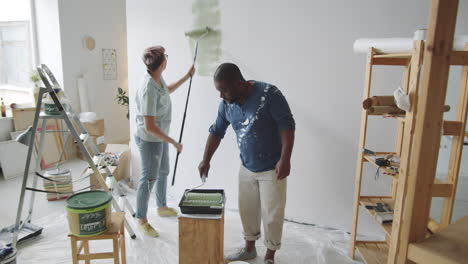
89 213
52 109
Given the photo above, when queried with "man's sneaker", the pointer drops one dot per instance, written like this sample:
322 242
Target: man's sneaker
165 212
269 261
242 254
148 230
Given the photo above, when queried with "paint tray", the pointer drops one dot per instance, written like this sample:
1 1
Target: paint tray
26 232
202 201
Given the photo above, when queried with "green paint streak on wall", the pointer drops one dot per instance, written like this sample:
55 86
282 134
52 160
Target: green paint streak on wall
207 13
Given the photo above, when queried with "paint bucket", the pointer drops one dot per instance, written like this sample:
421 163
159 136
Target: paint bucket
89 213
50 108
10 258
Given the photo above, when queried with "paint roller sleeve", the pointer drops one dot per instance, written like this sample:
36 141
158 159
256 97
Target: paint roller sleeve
257 124
197 33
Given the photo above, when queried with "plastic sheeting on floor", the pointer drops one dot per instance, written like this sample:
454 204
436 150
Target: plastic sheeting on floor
302 244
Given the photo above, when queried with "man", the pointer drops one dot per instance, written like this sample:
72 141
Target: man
264 125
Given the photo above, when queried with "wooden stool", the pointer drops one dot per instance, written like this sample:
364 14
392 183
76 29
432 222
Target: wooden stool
201 241
116 232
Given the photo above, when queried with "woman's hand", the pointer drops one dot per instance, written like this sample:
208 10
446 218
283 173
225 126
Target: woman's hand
191 71
178 146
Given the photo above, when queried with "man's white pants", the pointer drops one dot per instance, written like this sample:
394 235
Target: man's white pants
262 196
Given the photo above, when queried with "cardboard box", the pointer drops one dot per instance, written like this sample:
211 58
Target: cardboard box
122 171
98 141
93 180
96 128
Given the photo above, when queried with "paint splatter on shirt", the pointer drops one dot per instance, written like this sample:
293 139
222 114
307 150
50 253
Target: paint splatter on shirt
257 124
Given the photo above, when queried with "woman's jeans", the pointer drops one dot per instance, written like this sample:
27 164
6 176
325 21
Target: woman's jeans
154 169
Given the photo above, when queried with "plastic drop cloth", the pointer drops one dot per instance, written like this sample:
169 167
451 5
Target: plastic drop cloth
302 244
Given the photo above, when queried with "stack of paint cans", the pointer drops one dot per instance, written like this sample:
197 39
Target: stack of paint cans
60 186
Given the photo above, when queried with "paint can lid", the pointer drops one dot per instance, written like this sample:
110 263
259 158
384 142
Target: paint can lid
89 199
58 171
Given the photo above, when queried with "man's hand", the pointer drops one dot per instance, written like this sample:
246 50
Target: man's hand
283 168
204 168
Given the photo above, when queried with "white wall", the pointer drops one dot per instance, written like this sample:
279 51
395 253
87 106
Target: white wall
305 48
62 25
105 21
48 37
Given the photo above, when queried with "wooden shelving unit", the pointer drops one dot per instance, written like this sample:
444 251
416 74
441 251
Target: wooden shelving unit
425 76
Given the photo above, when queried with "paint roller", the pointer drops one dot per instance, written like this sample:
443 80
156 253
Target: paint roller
197 35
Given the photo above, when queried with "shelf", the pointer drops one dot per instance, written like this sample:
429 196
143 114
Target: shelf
373 252
397 59
450 128
447 246
453 128
59 116
397 116
371 159
439 188
373 200
393 55
459 57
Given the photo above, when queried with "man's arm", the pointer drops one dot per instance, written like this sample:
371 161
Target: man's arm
283 167
281 113
212 144
217 132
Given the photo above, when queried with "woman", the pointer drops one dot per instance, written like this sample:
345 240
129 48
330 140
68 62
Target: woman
153 118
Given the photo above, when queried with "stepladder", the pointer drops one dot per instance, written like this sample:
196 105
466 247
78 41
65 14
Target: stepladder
76 131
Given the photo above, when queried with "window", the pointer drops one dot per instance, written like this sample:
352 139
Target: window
16 53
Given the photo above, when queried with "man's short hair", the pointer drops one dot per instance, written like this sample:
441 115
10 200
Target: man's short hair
153 57
228 72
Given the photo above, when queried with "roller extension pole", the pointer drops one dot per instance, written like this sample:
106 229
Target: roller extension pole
185 115
196 34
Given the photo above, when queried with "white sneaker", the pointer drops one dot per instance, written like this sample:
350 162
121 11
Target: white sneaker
242 254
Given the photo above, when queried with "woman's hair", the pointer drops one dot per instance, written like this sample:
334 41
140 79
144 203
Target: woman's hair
153 57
